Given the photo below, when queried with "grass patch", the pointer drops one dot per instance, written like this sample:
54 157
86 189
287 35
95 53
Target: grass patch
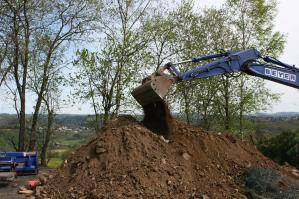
55 162
70 143
57 157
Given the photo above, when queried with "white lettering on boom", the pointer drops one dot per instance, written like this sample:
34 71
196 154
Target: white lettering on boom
280 74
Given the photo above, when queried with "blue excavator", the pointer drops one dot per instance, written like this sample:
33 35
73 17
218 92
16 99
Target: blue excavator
155 87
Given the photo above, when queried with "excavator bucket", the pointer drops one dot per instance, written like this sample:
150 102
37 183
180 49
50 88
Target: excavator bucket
153 89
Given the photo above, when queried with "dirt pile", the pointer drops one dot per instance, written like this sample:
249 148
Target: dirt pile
127 160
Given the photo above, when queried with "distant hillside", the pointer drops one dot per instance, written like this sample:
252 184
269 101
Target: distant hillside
72 121
8 120
274 123
278 114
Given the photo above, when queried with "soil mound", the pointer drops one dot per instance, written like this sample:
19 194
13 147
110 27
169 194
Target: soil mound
127 160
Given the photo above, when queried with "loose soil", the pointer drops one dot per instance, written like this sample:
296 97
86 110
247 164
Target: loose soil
157 118
127 160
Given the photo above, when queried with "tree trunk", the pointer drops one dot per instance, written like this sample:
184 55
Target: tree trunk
118 91
226 106
106 115
206 122
187 106
33 136
241 114
49 132
22 121
21 88
97 127
25 71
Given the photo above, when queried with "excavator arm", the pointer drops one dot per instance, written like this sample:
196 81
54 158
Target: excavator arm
155 87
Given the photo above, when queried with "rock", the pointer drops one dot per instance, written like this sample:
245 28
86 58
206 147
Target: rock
204 196
155 169
22 188
27 192
202 174
193 195
163 160
186 156
164 140
93 194
100 150
100 144
43 179
44 174
38 190
295 172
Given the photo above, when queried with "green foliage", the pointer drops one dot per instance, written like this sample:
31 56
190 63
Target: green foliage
7 138
282 148
222 102
263 183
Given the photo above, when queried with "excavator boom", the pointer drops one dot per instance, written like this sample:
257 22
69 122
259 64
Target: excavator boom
154 88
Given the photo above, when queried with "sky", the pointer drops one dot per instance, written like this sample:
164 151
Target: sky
286 22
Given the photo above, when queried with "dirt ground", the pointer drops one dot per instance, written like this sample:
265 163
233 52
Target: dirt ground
127 160
10 191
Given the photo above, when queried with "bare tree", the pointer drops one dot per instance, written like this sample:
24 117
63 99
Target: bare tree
15 30
68 21
36 30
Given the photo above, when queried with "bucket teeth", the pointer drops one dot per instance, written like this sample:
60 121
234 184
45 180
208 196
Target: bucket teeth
152 90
